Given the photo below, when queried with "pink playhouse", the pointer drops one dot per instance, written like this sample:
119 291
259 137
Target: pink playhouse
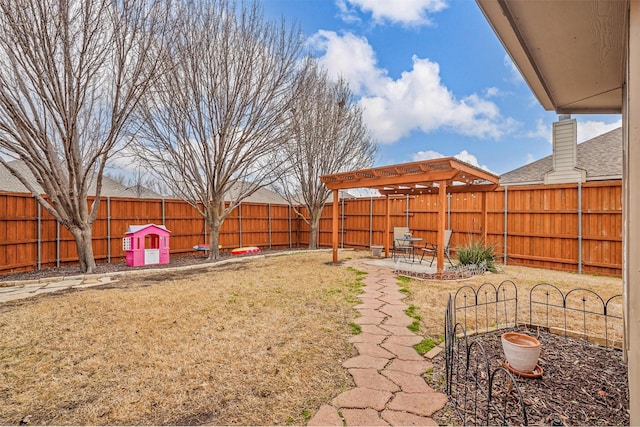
146 245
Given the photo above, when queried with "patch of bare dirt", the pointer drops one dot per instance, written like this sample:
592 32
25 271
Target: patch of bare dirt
103 268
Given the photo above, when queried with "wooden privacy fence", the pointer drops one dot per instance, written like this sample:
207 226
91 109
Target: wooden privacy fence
565 227
570 227
30 238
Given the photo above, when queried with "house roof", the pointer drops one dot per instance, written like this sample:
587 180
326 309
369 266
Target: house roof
261 195
600 157
110 187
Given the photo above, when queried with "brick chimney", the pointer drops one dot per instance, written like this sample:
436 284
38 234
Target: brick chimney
565 153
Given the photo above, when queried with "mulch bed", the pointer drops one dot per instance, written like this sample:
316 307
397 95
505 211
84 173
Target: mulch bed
103 268
582 384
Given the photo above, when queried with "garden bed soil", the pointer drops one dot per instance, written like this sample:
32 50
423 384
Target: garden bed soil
582 383
103 268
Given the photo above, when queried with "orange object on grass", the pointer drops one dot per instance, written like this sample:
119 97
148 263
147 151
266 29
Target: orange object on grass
245 250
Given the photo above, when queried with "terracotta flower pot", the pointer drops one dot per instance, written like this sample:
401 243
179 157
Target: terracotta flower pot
522 351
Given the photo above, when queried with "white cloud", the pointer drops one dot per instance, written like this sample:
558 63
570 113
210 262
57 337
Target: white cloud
464 156
591 129
492 91
542 131
349 56
416 101
426 155
406 12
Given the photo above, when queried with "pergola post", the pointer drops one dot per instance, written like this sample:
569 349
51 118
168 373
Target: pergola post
387 225
334 226
442 222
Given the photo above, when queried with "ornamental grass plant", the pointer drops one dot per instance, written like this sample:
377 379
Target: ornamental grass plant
478 253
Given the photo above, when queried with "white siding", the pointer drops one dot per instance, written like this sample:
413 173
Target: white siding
565 147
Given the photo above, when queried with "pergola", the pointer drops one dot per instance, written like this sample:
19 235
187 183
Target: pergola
437 176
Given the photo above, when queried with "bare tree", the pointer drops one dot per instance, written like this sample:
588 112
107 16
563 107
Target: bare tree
71 73
327 135
211 127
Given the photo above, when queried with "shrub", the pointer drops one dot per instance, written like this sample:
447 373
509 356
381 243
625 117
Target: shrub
476 252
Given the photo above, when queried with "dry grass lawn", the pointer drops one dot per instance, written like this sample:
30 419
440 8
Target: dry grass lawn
256 343
431 296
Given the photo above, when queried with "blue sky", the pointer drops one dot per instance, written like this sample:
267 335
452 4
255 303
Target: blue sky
433 80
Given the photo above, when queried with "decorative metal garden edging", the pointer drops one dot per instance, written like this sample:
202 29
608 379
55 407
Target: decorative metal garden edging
586 304
480 396
485 396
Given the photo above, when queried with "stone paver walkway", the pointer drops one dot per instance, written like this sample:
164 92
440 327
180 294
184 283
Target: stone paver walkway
390 389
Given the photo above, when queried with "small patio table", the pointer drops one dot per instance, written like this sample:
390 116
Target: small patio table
410 241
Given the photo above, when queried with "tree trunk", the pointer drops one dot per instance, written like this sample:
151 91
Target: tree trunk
84 246
214 240
314 225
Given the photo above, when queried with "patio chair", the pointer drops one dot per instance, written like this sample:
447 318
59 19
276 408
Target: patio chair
432 248
401 247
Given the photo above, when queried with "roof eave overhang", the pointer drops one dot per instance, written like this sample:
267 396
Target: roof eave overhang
571 53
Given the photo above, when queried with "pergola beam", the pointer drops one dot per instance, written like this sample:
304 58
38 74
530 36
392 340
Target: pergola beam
436 176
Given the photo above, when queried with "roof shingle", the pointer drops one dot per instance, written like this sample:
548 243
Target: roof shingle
601 157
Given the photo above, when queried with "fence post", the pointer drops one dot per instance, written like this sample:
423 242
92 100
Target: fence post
449 195
163 214
579 227
109 230
240 223
290 231
406 211
39 235
342 225
370 221
204 230
57 244
506 211
269 224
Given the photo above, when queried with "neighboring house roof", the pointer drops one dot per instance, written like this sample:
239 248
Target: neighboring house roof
601 157
110 188
262 195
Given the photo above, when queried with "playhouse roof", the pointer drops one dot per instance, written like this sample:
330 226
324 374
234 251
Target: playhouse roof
136 228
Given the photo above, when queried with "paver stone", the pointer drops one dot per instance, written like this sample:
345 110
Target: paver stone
365 362
371 379
397 418
327 415
410 366
373 350
409 383
362 398
362 417
424 404
369 338
403 352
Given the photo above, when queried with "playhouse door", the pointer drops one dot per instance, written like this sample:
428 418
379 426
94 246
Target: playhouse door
151 256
